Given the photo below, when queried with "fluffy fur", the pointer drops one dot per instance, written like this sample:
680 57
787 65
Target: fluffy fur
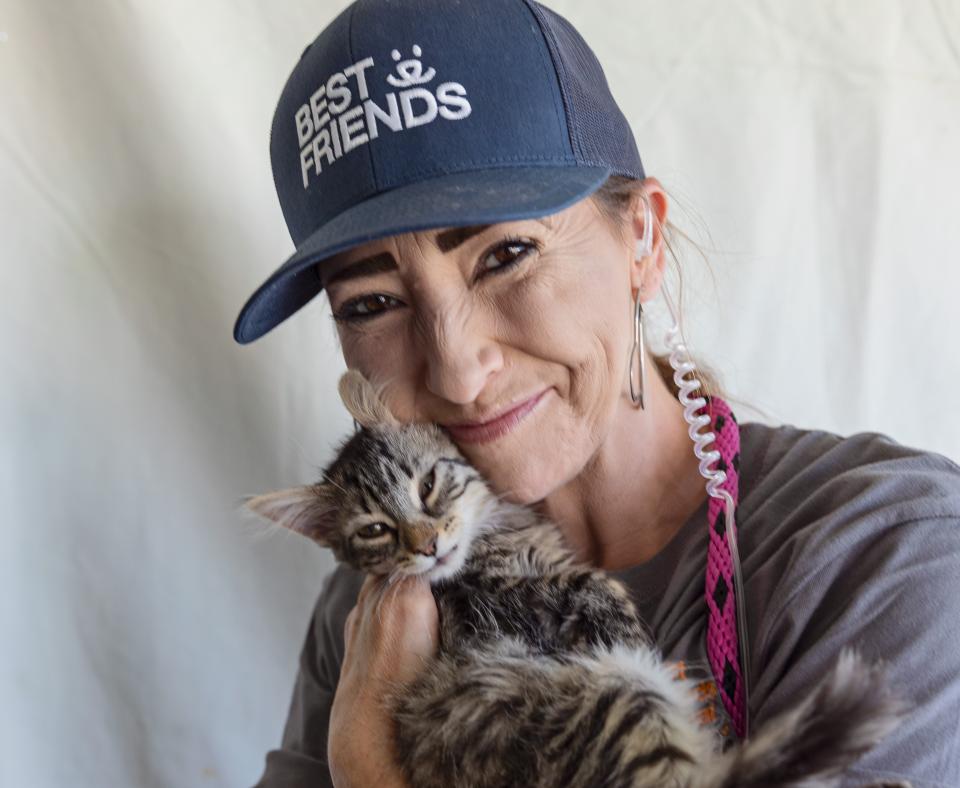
545 675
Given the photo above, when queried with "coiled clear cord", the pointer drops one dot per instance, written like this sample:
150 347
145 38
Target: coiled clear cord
687 383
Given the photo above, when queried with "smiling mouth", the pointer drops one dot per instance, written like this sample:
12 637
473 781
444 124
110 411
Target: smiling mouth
487 431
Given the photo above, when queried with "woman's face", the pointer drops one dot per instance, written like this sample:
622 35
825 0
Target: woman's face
514 336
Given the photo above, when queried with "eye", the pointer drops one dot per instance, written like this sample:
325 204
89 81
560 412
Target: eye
373 530
365 307
506 254
426 486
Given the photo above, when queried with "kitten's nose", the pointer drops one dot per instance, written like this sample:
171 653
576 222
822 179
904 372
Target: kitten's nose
421 538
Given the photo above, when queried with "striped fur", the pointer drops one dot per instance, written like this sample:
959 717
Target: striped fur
545 675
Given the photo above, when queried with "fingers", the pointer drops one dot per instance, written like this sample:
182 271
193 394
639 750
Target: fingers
390 632
387 609
350 626
371 585
378 591
368 599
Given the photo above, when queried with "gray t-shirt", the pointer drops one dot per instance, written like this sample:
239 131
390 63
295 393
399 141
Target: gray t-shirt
843 541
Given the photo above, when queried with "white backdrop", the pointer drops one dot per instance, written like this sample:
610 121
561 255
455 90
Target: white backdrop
149 636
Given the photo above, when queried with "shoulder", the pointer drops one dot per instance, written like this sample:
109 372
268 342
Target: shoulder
814 505
855 541
866 472
811 497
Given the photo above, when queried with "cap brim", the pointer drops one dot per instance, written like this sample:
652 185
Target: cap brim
455 200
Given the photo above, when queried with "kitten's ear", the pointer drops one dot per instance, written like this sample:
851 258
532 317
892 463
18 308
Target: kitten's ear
308 510
364 401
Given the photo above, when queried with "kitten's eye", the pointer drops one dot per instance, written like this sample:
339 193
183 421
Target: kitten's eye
426 486
373 530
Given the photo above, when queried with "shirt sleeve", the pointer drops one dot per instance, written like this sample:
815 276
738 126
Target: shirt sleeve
301 760
894 594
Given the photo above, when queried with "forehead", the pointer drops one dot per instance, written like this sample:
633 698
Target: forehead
385 466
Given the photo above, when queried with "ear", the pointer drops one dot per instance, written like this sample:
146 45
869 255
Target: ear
646 273
307 510
364 401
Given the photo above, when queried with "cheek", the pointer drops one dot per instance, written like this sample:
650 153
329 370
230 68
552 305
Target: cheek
572 330
527 467
572 311
576 319
388 356
448 530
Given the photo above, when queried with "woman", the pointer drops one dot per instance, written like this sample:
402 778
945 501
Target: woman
460 181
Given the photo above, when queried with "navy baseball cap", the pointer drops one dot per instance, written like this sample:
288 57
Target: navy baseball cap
407 115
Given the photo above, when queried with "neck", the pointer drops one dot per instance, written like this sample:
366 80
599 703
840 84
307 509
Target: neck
637 491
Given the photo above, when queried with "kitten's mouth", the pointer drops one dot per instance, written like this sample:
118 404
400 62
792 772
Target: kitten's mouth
447 557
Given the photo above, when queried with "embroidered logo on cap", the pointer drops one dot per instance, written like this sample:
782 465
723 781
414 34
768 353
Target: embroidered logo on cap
340 115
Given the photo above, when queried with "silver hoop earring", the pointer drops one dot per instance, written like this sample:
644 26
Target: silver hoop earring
638 349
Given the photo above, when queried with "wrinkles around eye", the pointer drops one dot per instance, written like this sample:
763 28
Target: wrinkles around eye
506 254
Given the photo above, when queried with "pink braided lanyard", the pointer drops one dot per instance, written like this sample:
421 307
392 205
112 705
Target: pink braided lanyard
723 652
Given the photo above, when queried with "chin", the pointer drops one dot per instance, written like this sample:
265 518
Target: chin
453 557
434 571
445 570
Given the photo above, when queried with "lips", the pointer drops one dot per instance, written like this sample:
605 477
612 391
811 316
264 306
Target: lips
487 431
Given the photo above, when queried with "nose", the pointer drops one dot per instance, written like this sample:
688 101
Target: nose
421 538
461 355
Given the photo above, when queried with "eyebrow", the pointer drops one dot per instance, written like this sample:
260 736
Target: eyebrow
446 241
365 267
451 239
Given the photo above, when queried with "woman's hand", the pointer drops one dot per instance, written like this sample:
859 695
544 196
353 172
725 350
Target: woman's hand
389 634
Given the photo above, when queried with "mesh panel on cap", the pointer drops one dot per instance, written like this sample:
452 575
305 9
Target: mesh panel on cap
599 132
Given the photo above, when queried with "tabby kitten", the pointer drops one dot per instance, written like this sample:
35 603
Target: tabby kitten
544 676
